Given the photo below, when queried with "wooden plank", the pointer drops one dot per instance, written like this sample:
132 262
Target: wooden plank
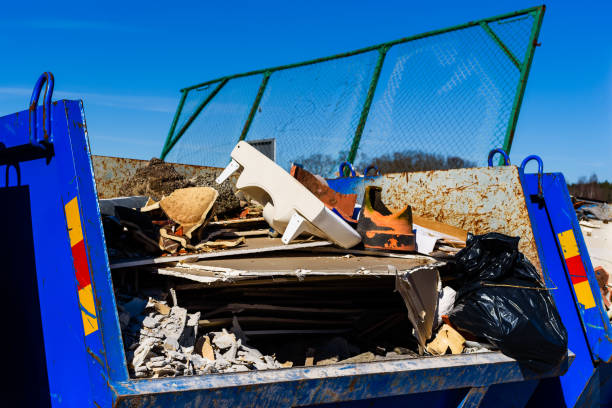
252 333
237 222
440 227
236 307
269 320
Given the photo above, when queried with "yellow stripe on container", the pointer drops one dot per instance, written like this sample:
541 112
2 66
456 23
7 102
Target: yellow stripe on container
584 294
568 244
74 221
86 300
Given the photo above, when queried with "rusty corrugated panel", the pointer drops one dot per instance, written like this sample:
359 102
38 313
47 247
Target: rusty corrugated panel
479 200
112 172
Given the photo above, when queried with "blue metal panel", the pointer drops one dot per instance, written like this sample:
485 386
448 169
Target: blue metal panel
75 179
587 329
316 385
67 361
78 180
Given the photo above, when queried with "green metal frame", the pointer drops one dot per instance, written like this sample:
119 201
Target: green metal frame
538 13
524 67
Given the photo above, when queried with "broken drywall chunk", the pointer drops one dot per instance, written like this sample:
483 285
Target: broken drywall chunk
230 355
223 339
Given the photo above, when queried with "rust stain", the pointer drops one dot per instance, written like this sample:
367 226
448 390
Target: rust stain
478 200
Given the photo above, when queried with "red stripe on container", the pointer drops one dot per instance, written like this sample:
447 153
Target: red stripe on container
575 266
80 264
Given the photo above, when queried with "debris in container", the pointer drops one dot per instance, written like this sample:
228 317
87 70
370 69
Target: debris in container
429 233
289 207
189 207
380 229
419 289
227 202
446 339
501 299
343 203
155 180
263 323
446 302
162 342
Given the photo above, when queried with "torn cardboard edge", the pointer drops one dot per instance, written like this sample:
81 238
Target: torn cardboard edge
214 274
419 288
216 254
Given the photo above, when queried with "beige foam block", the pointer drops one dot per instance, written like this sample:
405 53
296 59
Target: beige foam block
446 338
189 207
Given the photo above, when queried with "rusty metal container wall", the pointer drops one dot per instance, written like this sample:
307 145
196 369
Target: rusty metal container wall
479 200
112 172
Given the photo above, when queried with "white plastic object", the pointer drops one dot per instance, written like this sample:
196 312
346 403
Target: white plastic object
283 197
227 171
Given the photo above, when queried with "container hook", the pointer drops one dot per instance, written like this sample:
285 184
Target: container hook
500 151
540 171
47 79
343 166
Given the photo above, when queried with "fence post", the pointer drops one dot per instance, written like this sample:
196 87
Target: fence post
262 88
368 103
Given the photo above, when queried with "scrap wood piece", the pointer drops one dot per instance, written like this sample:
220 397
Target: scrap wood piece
419 289
272 247
258 282
293 332
445 230
237 222
343 203
239 307
244 320
447 338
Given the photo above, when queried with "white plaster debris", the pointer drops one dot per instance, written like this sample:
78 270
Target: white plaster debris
160 341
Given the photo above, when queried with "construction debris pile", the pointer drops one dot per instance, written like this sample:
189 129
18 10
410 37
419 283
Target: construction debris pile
229 328
164 213
276 269
164 341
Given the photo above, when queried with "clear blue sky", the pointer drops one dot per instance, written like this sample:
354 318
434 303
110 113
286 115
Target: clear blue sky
127 61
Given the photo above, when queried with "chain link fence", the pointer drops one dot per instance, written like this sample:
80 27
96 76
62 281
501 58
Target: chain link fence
438 100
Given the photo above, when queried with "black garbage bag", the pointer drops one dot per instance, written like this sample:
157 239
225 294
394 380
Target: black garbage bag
501 299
